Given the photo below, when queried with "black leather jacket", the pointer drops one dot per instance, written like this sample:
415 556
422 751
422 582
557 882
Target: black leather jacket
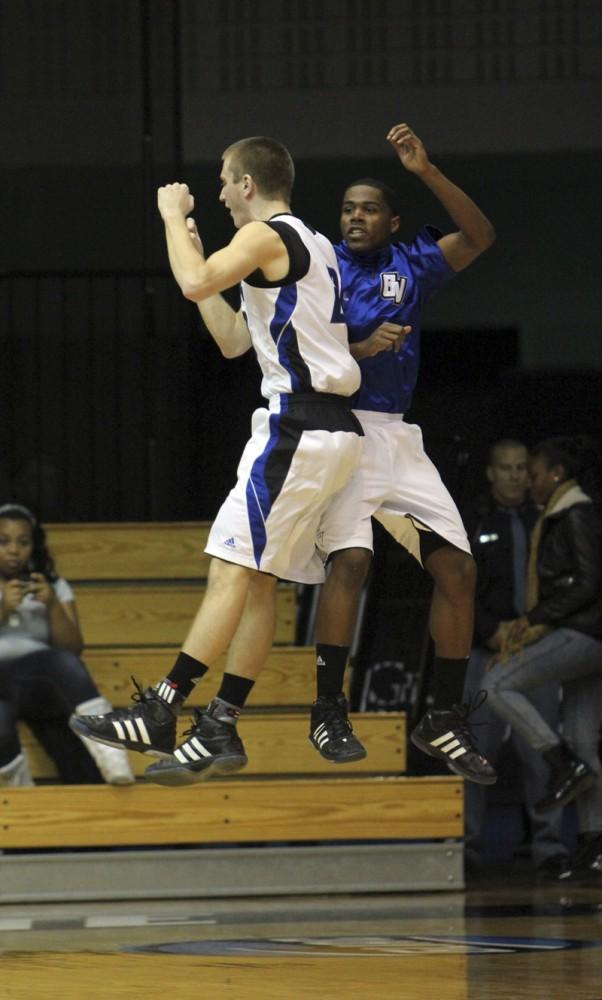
569 571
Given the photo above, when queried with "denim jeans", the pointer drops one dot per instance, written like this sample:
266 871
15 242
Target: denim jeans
574 660
489 731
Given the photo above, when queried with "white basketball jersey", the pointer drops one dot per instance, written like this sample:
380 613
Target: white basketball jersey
297 328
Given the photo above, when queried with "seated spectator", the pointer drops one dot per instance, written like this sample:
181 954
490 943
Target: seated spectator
560 639
498 525
42 679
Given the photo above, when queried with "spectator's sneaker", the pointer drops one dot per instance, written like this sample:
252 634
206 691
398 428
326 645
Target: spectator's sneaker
212 747
586 865
568 779
330 731
446 735
556 868
112 762
149 726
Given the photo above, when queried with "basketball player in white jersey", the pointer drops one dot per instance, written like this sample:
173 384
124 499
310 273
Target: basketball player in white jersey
303 449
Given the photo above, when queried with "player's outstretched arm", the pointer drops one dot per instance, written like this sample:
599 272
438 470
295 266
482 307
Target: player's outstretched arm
475 232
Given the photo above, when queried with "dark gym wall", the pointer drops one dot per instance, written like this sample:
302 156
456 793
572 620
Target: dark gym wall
111 381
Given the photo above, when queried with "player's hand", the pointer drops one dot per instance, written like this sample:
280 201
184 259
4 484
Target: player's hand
386 337
409 148
194 236
174 199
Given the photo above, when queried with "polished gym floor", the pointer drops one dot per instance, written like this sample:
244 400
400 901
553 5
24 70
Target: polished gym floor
504 938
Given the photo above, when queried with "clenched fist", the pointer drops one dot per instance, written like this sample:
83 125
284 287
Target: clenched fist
174 199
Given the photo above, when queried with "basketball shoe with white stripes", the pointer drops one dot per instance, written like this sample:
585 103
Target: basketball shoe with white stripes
446 735
211 747
149 726
330 731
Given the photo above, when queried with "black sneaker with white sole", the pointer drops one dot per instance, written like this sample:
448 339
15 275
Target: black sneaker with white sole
211 747
446 735
149 726
330 731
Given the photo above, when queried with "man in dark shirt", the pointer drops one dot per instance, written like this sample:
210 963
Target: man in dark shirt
498 525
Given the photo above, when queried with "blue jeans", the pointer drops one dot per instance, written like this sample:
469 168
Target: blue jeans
546 828
574 660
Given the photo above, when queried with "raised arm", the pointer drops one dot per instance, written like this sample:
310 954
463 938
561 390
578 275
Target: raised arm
475 232
254 246
226 325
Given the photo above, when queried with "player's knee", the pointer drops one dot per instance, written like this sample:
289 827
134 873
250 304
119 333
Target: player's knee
454 572
350 567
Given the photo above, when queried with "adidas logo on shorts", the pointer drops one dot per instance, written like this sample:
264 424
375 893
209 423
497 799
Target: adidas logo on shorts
230 543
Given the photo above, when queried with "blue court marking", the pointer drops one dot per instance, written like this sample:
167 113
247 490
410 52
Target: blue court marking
372 945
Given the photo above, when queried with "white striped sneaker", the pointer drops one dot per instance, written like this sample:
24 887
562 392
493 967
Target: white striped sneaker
446 735
149 726
330 731
211 747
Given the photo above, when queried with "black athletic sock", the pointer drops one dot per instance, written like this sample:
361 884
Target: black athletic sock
232 695
330 668
448 682
185 673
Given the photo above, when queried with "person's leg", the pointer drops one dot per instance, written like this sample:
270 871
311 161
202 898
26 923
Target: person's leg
559 656
451 620
337 615
444 732
330 731
488 735
545 828
14 768
582 722
556 657
150 726
55 684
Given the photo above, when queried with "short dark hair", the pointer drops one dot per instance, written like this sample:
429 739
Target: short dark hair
267 161
389 195
576 454
504 443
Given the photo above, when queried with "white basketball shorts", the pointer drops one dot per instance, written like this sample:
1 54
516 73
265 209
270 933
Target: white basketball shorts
302 451
400 487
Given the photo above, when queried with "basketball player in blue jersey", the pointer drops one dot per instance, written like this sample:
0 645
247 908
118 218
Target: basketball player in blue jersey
385 287
303 449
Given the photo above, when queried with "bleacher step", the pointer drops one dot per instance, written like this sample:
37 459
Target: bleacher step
235 810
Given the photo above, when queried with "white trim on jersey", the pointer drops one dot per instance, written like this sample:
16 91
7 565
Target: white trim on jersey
297 330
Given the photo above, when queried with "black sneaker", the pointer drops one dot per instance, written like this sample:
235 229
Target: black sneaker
556 868
576 777
446 735
149 726
212 748
330 731
586 865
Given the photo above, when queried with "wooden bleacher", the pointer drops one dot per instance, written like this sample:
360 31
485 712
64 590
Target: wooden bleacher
137 588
